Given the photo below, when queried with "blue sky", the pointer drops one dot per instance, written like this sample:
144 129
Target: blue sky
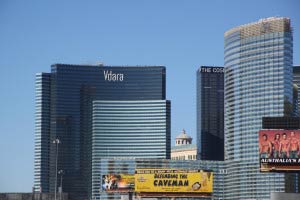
182 35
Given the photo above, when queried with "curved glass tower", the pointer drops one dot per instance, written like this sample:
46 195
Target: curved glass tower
258 83
127 130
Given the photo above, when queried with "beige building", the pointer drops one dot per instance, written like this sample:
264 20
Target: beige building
184 149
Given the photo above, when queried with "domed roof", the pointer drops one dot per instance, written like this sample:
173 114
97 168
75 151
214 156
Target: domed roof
183 135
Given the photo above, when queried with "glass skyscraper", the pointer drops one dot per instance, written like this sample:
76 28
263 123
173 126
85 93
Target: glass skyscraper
128 129
258 83
42 131
64 109
210 113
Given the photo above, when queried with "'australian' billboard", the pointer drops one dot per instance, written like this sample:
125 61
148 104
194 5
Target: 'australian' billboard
279 150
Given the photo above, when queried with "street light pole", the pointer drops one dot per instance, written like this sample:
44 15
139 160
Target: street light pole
61 172
56 141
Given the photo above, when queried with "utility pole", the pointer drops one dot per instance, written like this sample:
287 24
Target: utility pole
61 172
56 141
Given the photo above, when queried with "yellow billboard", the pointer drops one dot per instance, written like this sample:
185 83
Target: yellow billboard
173 181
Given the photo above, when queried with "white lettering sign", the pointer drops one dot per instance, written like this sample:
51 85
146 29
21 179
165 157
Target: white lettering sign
212 70
110 76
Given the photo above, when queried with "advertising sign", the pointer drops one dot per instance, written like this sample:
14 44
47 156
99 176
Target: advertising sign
118 183
173 181
279 150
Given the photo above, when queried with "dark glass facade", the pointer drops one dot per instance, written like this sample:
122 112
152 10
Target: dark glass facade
288 123
296 82
72 90
295 100
210 113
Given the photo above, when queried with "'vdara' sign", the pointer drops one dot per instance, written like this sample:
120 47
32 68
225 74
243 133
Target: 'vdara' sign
110 76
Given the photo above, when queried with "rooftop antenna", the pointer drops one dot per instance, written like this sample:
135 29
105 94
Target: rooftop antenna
99 63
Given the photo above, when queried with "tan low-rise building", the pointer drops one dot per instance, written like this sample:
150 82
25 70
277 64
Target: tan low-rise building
184 149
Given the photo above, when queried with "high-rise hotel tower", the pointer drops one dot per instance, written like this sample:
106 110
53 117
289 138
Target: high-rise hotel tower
258 83
97 112
210 113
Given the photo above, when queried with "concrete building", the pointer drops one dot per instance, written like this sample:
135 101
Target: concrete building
285 196
184 149
32 196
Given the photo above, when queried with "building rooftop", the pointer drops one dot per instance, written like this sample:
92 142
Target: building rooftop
265 25
184 147
183 135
